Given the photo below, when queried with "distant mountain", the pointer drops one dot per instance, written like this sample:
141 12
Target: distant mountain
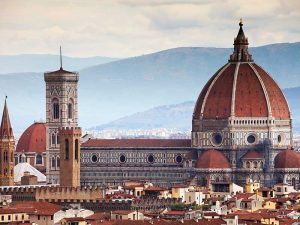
44 62
116 89
199 64
180 116
169 116
120 88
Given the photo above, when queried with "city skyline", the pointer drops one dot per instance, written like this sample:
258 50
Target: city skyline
194 135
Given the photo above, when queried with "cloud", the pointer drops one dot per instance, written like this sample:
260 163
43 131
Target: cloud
122 28
154 3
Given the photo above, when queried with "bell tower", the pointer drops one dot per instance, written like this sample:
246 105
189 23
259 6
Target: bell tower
61 111
7 147
70 156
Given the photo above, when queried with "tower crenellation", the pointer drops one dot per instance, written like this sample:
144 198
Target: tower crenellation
70 156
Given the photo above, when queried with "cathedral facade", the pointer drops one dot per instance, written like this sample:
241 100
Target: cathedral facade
241 129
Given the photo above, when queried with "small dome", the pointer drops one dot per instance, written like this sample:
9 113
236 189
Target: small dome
212 159
33 139
287 159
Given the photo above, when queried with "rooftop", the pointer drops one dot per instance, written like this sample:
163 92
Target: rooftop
137 143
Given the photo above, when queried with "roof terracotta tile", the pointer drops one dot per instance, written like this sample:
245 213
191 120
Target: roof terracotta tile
252 154
212 159
33 139
279 105
215 100
287 159
122 212
137 143
37 208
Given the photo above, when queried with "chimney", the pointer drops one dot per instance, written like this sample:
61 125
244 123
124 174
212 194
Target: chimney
26 173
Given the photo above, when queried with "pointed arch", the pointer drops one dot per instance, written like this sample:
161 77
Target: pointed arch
57 161
70 108
53 162
55 108
38 159
294 182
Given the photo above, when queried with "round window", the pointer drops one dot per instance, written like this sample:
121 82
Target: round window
251 139
150 159
279 139
217 138
94 158
178 159
122 158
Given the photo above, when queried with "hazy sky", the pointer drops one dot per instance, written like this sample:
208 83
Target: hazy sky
121 28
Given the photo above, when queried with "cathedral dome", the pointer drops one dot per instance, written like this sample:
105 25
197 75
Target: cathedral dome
287 159
33 139
241 105
241 88
212 159
237 90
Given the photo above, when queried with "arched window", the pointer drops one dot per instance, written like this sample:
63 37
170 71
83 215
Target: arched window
23 158
76 149
55 108
53 162
5 171
53 139
255 165
58 162
57 139
5 156
70 109
39 159
248 164
66 149
294 182
197 141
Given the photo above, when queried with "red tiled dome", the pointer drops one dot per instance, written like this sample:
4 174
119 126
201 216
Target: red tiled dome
33 139
287 159
241 88
212 159
248 96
